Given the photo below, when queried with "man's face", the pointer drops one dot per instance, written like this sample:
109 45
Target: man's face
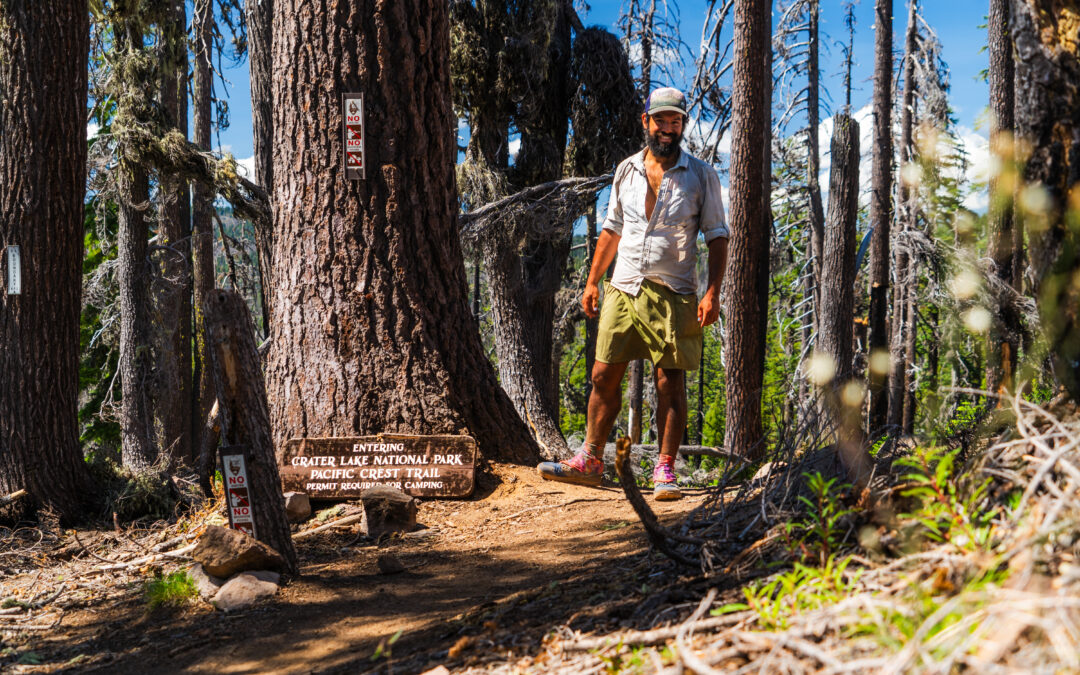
663 132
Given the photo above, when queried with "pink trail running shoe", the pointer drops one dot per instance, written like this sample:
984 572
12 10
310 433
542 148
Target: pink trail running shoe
665 482
582 469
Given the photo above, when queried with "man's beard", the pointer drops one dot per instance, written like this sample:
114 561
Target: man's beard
660 149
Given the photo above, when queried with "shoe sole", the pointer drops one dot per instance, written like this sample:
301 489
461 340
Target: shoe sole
574 480
667 495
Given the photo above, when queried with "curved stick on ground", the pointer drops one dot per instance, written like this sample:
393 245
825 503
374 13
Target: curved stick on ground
659 536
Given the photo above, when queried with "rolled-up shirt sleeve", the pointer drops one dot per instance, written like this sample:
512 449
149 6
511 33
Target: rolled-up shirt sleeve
713 221
614 219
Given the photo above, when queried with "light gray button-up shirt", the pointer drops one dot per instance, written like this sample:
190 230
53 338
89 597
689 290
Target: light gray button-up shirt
663 248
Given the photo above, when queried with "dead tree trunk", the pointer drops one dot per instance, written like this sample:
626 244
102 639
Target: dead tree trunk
902 322
43 172
136 363
371 330
747 290
245 417
202 237
635 396
1047 70
1004 340
813 159
880 217
838 297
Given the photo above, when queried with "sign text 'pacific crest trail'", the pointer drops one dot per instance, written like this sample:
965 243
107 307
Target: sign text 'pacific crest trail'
341 468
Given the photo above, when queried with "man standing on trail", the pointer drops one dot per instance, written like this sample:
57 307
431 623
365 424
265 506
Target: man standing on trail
661 198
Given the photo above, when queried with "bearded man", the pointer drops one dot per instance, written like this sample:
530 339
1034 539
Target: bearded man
661 199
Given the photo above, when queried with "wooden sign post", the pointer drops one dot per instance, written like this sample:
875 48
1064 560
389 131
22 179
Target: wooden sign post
342 468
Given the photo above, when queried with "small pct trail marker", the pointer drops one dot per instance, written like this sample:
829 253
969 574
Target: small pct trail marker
343 468
241 516
14 271
352 106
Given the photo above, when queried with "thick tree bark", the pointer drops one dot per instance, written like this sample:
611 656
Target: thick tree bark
202 232
1047 70
43 79
136 364
748 267
245 418
172 292
1004 340
880 216
260 15
372 331
528 369
838 296
902 321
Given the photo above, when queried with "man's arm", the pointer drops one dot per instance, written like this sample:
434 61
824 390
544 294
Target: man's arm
607 244
708 310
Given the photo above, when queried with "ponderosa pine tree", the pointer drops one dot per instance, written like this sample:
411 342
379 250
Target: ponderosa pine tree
43 83
748 265
372 330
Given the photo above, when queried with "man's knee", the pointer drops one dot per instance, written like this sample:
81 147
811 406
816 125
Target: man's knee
606 376
669 382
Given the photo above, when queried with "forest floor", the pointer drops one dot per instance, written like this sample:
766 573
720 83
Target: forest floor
500 569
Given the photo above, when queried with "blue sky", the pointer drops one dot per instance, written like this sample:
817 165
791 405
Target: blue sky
957 23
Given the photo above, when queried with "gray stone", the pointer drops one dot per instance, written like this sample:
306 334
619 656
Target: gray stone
243 590
207 585
387 510
266 575
297 507
223 552
389 563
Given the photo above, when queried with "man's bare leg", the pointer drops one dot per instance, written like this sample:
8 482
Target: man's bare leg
604 402
587 468
670 423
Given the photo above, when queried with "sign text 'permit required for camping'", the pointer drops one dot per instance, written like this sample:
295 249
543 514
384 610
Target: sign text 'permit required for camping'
342 468
352 116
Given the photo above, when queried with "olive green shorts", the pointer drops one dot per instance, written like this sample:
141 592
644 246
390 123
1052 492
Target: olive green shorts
659 324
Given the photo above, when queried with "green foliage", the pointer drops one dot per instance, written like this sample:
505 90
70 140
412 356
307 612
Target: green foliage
949 509
98 333
172 590
385 646
131 495
819 535
803 589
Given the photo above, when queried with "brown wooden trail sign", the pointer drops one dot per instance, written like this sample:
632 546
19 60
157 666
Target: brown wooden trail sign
342 468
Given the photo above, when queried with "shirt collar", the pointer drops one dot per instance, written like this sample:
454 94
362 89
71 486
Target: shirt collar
638 160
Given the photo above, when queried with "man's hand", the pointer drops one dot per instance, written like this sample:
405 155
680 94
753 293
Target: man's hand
590 300
708 310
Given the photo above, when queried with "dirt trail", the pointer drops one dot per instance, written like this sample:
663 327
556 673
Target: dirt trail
477 559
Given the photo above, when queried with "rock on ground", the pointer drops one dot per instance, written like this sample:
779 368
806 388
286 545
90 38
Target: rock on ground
223 552
244 590
206 584
297 507
387 510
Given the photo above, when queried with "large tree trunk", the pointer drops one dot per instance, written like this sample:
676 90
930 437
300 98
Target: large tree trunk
260 15
747 290
245 420
136 365
372 331
172 292
1047 70
202 233
838 296
528 369
880 217
1003 343
902 321
43 76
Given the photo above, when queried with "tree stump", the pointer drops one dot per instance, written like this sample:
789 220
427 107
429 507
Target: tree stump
245 416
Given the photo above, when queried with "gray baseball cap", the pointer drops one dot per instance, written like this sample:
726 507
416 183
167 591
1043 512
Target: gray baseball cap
666 99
